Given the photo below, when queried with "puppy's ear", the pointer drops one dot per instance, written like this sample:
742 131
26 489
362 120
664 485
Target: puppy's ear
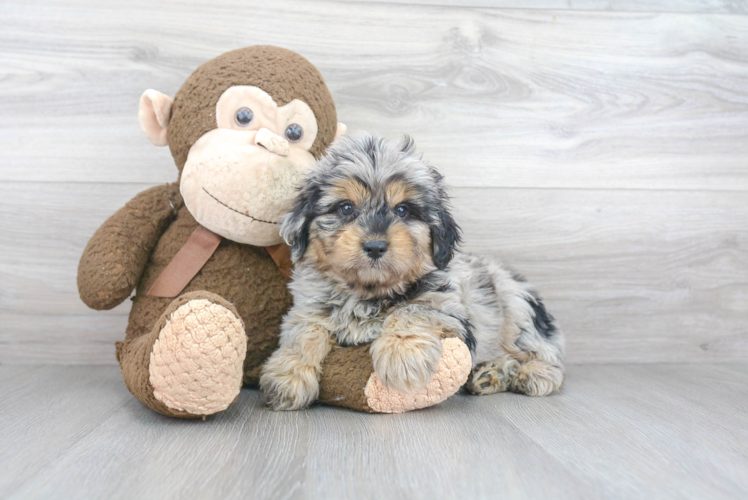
445 233
295 226
445 236
407 145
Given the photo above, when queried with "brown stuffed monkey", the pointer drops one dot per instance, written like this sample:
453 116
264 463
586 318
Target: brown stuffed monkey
204 254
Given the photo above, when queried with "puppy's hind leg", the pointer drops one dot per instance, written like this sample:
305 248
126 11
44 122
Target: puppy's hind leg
534 347
534 377
537 378
493 376
538 345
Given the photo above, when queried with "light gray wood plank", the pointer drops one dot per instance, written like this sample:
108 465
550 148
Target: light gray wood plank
513 98
245 451
456 450
642 432
8 375
639 276
324 452
718 394
45 410
694 6
618 431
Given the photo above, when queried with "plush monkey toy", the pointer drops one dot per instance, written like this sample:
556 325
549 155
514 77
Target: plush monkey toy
204 254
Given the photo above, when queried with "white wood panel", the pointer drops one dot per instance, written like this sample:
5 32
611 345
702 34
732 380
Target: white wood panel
45 228
610 149
511 98
655 276
620 431
702 6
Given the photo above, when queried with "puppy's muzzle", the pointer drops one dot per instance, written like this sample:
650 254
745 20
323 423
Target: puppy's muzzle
374 249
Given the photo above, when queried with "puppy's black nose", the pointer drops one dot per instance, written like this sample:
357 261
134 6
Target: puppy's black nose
375 249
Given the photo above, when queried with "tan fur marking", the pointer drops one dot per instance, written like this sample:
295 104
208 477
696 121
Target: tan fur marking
347 247
402 244
399 191
290 378
349 189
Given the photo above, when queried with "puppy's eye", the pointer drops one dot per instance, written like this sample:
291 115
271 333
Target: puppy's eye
294 132
402 211
244 117
346 208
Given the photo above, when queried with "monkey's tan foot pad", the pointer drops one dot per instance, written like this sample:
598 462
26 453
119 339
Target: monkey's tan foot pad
348 380
197 361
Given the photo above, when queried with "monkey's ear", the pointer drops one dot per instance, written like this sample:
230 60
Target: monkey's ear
295 226
342 128
154 115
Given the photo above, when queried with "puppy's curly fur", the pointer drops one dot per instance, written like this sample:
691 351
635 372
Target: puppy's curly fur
373 242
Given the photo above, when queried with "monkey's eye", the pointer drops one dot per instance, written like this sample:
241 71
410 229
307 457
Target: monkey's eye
346 208
294 132
244 117
402 210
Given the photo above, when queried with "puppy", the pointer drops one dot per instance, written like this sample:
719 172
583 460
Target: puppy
373 243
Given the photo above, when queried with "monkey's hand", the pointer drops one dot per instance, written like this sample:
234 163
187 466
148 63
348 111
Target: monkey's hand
114 259
407 353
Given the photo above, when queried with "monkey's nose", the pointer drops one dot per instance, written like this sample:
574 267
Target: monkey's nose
375 249
272 142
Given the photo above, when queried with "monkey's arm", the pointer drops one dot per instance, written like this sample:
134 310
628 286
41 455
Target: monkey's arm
114 259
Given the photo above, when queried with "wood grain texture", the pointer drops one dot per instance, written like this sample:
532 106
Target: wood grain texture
46 409
602 153
651 276
511 98
618 431
693 6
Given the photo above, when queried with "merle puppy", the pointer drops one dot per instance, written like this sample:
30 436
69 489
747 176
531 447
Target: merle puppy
373 242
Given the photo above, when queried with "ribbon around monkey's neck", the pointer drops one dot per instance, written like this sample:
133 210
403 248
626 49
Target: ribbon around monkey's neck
199 248
281 255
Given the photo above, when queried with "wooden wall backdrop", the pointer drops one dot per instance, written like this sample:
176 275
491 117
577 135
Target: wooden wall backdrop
600 147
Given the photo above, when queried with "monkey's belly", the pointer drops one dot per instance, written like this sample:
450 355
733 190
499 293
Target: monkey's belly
244 275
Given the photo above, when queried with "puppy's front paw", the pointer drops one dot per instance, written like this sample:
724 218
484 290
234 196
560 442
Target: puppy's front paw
289 384
406 361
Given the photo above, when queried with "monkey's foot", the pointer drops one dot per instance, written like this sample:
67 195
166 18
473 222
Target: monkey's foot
348 380
196 365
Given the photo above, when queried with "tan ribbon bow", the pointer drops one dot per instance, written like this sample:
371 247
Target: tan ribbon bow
193 255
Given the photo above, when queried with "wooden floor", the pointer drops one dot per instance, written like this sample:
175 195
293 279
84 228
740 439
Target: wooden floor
616 431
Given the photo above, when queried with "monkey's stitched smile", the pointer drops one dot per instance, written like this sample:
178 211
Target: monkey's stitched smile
237 211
